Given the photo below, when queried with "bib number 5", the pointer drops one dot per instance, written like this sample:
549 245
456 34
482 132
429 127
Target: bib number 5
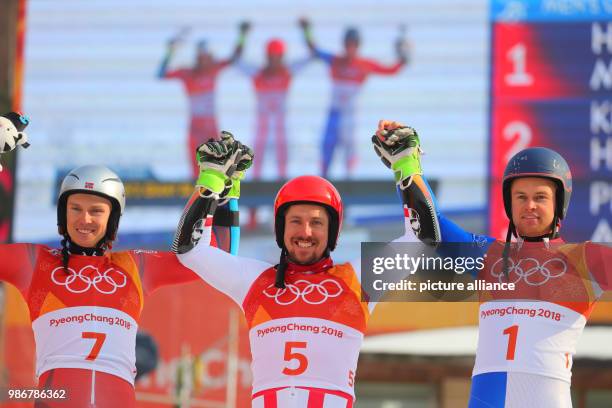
291 354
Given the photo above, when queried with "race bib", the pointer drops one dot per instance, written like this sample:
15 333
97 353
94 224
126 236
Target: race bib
93 338
531 337
304 351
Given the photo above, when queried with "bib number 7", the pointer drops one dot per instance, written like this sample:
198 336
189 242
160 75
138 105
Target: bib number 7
291 354
99 340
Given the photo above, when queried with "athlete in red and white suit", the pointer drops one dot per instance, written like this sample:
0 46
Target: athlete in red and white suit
527 337
84 300
271 83
306 316
199 83
349 72
85 319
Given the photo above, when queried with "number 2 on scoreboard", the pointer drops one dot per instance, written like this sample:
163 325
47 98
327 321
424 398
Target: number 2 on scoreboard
518 132
512 333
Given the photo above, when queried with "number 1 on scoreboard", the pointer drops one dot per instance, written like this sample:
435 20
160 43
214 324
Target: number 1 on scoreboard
519 75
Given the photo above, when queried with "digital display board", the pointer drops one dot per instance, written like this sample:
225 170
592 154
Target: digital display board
551 86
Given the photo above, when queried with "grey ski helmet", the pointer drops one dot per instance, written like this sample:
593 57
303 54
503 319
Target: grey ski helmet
96 180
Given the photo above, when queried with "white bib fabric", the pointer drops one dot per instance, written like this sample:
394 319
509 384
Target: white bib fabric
304 351
88 337
529 337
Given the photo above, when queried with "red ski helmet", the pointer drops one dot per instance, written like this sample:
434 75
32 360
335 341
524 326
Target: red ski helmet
275 47
309 190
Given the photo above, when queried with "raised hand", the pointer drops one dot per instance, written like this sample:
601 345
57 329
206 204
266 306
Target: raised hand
222 164
304 23
244 27
217 162
402 45
398 147
243 161
245 156
12 135
179 38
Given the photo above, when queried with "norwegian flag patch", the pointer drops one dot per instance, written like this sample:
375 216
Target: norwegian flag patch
89 185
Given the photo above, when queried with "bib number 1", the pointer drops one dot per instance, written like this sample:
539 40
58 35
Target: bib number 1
512 333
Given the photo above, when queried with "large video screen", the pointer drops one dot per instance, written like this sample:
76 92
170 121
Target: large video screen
551 87
97 91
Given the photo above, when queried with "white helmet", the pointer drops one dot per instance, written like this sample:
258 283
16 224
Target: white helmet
12 135
96 180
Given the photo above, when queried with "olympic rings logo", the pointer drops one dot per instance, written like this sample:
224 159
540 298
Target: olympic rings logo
106 282
311 293
530 270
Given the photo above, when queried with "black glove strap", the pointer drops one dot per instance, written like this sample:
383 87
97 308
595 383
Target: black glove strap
224 217
196 211
418 199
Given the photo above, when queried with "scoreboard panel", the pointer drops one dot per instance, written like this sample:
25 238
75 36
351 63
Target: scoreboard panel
551 86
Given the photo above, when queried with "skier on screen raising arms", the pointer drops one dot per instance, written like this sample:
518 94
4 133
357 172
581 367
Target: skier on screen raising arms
84 300
271 83
199 82
527 337
349 72
305 315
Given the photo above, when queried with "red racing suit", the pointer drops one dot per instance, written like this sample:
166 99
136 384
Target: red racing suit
271 88
304 339
200 88
348 77
85 319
